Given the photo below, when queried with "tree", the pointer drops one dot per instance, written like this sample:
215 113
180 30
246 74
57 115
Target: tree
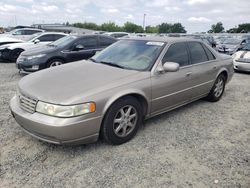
132 28
178 28
217 28
87 25
152 29
171 28
110 26
243 28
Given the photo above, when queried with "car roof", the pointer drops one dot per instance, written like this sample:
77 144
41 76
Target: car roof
56 33
163 39
91 35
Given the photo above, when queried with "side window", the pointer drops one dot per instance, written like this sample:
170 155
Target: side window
197 52
31 32
177 53
46 38
88 43
210 55
56 37
104 41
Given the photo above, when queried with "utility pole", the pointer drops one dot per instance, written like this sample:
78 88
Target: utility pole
144 17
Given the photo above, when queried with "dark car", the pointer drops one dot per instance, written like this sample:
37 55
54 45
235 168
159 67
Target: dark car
67 49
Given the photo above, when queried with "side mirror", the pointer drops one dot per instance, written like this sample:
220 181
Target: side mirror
79 47
36 41
171 67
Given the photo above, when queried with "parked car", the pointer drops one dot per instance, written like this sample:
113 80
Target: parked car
241 59
116 34
111 93
231 45
8 40
65 50
10 52
22 34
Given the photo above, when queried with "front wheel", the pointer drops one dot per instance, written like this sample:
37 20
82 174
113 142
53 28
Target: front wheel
54 62
218 89
122 121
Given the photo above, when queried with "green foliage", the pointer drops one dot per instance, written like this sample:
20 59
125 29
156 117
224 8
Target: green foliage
110 26
152 29
243 28
217 28
132 28
171 28
87 25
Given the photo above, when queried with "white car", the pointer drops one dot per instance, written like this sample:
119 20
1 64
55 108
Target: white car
241 59
8 40
22 34
10 52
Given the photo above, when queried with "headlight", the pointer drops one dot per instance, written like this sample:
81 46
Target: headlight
35 56
65 111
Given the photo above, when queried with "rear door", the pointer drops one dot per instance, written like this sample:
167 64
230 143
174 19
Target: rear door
171 89
204 68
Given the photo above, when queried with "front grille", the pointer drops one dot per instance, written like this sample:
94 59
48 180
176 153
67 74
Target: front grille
27 104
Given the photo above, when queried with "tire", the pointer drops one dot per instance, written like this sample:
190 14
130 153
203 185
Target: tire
15 54
117 128
54 62
218 89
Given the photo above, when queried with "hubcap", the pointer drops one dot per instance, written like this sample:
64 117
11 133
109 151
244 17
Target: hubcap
219 85
125 121
55 63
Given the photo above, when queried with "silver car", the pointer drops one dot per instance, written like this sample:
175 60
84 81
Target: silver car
113 92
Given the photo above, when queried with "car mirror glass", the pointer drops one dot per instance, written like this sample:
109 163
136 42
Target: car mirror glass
79 47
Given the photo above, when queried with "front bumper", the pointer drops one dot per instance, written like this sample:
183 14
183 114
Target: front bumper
226 52
57 130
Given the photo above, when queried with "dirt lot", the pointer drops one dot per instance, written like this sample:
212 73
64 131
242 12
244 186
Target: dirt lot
200 145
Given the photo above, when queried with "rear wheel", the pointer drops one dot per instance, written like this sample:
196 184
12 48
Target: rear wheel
55 62
218 89
122 121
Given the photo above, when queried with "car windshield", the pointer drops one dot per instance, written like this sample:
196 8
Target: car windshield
232 41
63 41
32 37
130 54
247 47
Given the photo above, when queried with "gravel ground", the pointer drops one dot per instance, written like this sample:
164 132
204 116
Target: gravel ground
200 145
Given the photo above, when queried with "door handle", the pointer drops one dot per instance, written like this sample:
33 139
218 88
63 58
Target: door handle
189 74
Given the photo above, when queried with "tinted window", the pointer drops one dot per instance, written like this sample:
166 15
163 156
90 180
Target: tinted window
197 52
177 53
89 42
104 41
56 37
209 53
46 38
30 32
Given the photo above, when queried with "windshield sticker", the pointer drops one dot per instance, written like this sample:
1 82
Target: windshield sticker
155 43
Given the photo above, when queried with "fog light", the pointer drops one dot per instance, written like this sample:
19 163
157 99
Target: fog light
35 67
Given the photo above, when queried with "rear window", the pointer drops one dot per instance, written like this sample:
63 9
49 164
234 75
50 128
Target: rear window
210 55
197 53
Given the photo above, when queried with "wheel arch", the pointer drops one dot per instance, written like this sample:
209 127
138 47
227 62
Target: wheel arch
56 57
223 71
140 96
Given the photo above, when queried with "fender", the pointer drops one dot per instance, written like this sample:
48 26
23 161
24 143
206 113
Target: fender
121 94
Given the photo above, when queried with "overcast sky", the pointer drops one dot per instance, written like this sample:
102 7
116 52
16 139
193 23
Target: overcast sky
195 15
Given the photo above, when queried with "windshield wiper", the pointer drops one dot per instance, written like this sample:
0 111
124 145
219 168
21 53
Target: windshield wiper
111 64
51 45
92 59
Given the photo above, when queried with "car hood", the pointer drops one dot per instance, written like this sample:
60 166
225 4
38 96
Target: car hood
70 83
9 39
40 49
230 46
